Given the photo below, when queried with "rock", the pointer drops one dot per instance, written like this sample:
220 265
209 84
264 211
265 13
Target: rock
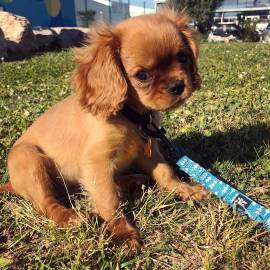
70 37
3 47
266 38
216 38
230 38
18 40
45 38
59 29
18 34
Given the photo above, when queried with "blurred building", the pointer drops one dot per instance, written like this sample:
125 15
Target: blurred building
140 7
48 13
107 10
43 12
113 10
160 3
229 11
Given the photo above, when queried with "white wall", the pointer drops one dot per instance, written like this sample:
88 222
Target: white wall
136 10
119 10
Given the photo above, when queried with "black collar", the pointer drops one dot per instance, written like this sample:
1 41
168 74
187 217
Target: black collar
136 118
144 121
146 124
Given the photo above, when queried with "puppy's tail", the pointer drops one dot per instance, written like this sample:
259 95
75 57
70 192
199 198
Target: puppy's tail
6 188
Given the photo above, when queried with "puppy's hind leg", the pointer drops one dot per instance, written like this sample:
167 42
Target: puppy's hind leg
6 188
30 173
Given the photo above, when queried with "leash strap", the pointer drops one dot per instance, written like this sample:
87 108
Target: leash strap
220 188
226 192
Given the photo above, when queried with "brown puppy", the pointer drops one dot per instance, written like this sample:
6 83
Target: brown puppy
146 62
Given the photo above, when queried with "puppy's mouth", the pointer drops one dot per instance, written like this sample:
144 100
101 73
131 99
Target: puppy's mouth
175 105
178 100
171 105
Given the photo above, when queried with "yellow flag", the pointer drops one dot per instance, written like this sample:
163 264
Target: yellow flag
53 7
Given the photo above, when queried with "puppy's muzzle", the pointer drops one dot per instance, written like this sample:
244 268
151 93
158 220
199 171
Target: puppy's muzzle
176 87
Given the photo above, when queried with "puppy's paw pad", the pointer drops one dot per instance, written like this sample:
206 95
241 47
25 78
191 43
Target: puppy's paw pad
195 192
130 241
132 246
69 218
200 194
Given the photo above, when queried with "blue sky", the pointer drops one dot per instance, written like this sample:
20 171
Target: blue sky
148 3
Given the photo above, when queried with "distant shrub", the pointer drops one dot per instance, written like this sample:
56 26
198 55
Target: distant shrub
202 37
248 30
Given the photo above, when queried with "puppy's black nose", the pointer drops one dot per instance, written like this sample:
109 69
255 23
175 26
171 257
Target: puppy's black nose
176 87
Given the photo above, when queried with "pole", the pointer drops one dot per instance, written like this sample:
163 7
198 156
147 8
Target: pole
110 11
143 7
128 15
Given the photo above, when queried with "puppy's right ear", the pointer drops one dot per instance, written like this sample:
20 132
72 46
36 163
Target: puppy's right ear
98 79
181 20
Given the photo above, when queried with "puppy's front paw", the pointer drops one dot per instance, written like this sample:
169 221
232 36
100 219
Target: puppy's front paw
68 218
124 234
130 240
195 192
131 245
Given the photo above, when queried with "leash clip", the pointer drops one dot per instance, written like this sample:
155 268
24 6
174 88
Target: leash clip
159 133
147 125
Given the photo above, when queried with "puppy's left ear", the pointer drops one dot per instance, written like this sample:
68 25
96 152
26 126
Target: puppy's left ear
190 38
98 78
189 35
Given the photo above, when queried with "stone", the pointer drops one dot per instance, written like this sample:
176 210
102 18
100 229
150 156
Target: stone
266 38
18 35
70 37
215 38
3 47
45 38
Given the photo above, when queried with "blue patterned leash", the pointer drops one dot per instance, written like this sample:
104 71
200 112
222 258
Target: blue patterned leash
226 192
220 188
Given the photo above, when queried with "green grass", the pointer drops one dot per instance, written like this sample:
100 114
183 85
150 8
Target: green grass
225 126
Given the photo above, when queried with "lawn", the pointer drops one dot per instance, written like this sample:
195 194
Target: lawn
225 126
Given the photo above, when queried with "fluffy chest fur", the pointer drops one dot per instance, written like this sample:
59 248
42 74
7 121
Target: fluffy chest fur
126 144
75 139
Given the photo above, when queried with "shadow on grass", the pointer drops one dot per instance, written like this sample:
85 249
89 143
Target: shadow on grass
238 145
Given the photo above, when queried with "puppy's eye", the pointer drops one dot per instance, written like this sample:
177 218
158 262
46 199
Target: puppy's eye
182 57
143 75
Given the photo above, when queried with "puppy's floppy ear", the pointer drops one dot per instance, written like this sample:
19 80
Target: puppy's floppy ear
98 78
181 20
189 35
